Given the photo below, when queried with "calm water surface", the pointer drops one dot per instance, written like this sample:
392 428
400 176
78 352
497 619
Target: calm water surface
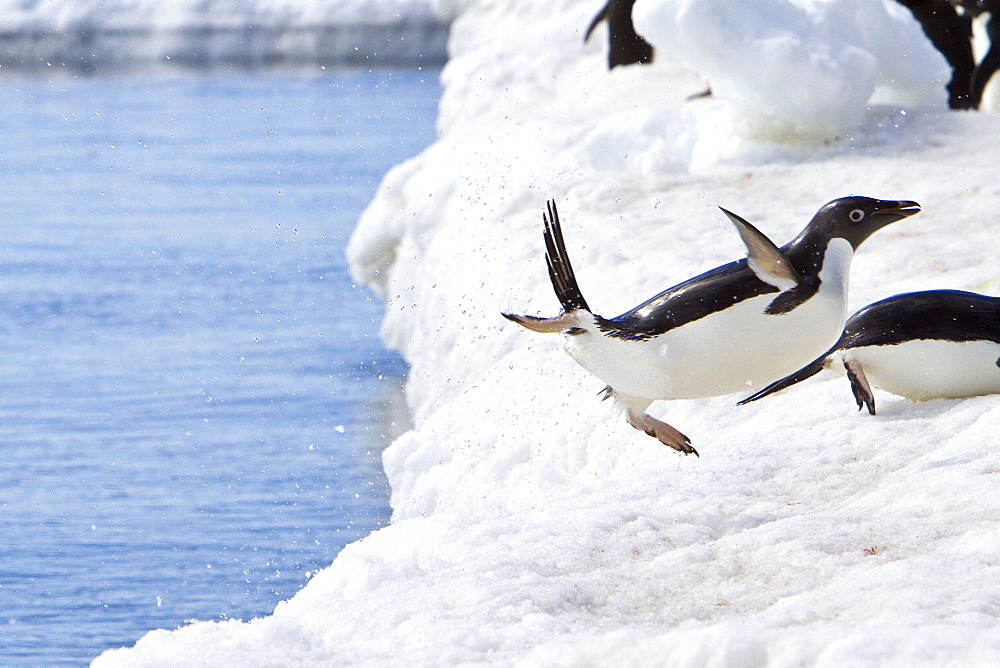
193 395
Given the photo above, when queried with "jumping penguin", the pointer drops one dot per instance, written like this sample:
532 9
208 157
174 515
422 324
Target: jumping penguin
743 324
938 344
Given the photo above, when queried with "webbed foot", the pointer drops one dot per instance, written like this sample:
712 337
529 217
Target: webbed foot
661 431
859 385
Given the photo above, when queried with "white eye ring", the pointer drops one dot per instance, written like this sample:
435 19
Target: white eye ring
857 215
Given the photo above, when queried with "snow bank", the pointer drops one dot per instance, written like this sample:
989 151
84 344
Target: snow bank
533 527
94 35
800 66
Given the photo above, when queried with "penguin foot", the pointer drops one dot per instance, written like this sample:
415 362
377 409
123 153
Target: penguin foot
562 323
859 385
661 431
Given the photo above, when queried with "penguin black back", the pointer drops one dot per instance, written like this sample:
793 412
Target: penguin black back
943 315
851 218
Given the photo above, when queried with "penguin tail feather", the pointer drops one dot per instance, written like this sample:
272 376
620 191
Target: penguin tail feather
563 282
802 374
557 259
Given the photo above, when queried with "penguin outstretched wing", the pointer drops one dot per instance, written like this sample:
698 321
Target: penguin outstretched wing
806 372
764 258
855 373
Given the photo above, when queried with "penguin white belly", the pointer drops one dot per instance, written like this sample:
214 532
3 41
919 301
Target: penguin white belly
731 350
925 369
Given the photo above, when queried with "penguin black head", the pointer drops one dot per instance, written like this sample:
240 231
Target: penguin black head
857 218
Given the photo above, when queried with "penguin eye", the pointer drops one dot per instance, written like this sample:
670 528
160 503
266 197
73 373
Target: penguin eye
857 215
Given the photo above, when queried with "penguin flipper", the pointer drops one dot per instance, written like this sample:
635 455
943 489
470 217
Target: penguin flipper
859 385
802 374
766 260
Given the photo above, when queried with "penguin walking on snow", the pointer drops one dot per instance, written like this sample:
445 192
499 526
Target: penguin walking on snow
938 344
740 325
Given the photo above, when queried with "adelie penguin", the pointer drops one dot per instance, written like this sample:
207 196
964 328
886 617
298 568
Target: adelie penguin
938 344
739 326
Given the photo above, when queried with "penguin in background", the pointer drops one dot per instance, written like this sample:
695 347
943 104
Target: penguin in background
743 324
936 344
990 62
951 34
625 45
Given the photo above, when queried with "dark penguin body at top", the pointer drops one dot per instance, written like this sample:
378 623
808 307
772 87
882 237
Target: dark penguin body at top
625 45
919 345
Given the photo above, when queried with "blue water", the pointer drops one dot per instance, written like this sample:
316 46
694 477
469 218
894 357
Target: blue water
193 395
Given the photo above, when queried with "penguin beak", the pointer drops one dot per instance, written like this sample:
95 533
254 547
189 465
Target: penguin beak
889 211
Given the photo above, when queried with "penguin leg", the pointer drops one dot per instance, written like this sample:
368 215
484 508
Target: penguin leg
636 415
859 385
561 323
661 431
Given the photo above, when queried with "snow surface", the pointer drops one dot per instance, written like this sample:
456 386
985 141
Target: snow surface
533 527
107 35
